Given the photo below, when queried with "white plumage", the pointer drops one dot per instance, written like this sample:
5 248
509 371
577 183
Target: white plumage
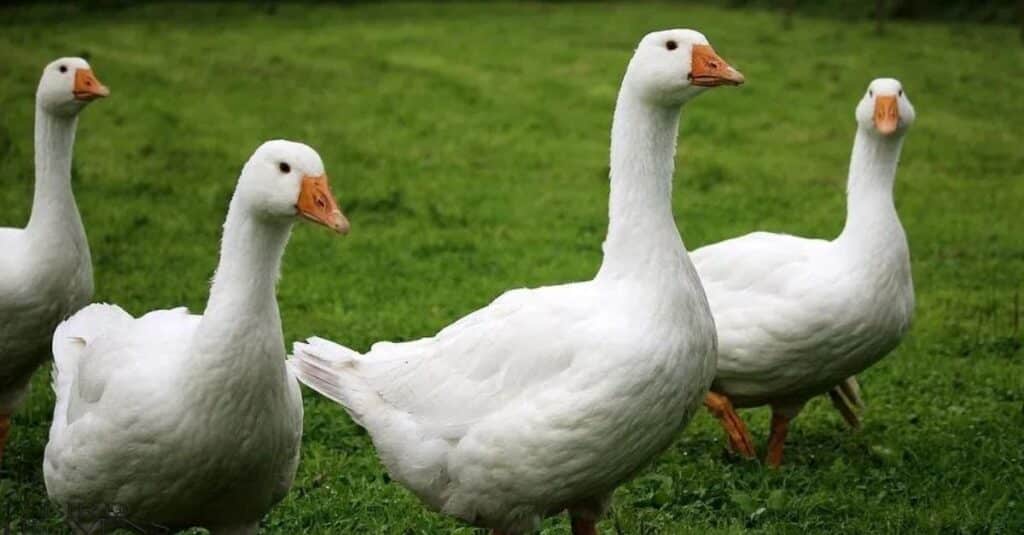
796 317
549 398
172 420
45 268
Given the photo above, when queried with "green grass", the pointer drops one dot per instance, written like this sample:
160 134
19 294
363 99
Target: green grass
468 145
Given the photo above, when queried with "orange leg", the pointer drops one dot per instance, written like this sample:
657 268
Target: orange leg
583 526
5 430
777 438
739 437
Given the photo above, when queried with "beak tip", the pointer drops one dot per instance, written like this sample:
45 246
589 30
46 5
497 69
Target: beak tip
341 224
737 76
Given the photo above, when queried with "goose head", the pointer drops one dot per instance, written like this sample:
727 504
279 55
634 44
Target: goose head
67 86
885 108
672 66
284 180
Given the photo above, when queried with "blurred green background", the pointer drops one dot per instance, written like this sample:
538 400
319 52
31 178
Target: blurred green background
997 11
468 144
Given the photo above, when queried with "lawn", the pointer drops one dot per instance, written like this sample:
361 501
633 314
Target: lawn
468 144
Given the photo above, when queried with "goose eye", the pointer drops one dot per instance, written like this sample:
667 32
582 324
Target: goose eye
285 168
63 68
901 92
871 93
671 45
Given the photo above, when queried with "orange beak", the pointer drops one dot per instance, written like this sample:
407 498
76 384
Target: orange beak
887 114
87 87
318 205
709 70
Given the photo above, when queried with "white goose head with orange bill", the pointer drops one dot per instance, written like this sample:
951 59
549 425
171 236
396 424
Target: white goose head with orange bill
67 86
672 66
885 109
284 179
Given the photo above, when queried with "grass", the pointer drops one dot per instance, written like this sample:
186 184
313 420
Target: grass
468 144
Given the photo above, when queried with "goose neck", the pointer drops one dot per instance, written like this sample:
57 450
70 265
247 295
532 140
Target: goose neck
642 239
243 302
870 210
54 213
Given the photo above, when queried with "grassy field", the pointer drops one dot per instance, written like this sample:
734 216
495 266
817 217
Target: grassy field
468 144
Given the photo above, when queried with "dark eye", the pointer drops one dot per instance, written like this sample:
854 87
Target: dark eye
285 168
901 92
671 45
63 68
871 93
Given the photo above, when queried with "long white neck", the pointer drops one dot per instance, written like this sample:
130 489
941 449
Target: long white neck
643 240
871 220
242 308
54 214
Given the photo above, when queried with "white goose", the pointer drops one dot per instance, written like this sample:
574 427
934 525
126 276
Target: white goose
173 420
796 317
549 398
45 269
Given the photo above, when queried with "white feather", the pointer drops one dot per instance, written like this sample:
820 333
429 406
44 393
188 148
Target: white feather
172 420
549 398
798 316
45 268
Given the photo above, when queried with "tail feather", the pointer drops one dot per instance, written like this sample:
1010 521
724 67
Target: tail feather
412 457
330 369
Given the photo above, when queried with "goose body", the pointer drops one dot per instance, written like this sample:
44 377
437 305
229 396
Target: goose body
45 268
146 432
41 283
549 398
796 317
171 420
501 419
824 315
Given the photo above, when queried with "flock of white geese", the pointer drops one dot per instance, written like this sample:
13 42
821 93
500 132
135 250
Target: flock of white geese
544 401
